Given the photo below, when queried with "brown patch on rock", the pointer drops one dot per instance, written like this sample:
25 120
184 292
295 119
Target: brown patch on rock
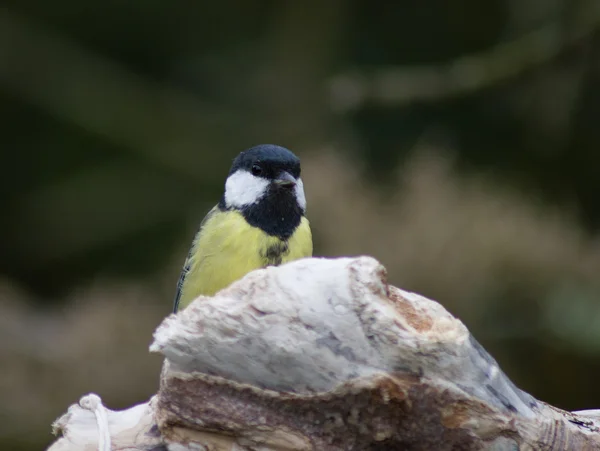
458 414
417 320
356 268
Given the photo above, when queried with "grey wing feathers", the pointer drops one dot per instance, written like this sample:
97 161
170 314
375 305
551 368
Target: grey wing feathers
186 265
184 271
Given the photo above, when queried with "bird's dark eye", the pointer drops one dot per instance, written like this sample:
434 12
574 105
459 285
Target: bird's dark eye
256 169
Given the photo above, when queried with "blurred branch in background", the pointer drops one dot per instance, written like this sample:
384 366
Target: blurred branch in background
160 125
158 122
400 86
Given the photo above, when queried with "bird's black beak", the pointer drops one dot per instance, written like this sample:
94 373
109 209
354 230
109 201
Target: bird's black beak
285 180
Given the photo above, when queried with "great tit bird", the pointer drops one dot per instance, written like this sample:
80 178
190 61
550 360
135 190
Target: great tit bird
258 222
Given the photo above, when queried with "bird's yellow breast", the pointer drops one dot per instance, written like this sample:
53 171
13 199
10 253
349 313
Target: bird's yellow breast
226 248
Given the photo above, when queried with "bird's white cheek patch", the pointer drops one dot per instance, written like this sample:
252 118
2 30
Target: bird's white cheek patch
243 188
300 197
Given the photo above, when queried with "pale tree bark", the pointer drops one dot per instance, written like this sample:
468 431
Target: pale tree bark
323 354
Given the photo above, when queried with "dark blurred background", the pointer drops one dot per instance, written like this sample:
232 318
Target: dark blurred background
456 141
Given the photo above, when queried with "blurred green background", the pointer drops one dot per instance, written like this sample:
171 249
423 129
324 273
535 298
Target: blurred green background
456 141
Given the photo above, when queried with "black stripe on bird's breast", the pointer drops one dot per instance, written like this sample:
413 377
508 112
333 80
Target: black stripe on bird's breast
274 253
277 214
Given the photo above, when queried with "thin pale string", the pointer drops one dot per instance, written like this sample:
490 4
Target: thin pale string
93 403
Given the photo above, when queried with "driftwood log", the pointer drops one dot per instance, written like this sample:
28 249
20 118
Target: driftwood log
323 354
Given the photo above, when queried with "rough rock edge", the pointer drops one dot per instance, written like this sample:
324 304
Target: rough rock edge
323 354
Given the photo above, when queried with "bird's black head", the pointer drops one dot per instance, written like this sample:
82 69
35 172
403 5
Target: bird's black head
264 184
267 161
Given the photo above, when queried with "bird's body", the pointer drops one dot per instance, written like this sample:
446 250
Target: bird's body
258 222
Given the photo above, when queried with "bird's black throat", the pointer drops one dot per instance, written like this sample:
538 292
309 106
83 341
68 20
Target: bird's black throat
277 213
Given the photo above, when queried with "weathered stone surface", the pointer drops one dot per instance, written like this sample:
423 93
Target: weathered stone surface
324 354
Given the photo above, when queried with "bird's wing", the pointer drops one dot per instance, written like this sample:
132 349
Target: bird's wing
186 265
